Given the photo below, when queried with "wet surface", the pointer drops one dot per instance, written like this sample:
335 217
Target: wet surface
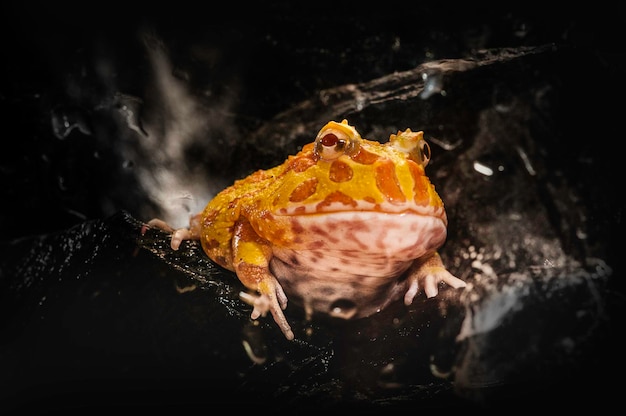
519 118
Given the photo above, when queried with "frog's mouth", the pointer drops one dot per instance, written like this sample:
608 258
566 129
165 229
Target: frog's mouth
387 225
353 206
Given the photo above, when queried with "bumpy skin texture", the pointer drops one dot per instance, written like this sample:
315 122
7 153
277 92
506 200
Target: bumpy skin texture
345 226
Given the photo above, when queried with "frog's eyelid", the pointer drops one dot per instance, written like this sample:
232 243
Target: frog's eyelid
412 144
424 152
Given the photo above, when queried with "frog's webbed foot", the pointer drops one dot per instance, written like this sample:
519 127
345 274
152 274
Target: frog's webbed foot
271 298
178 234
428 273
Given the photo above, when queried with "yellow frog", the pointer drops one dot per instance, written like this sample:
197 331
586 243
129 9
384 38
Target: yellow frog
344 227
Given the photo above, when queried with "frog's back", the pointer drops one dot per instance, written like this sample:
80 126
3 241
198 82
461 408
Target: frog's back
218 219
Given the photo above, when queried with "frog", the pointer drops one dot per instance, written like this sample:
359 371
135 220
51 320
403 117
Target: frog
344 227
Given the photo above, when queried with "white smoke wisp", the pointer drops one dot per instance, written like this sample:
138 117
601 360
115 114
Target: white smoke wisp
177 122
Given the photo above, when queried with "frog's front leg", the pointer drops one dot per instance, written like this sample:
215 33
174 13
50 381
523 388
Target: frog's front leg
251 258
429 272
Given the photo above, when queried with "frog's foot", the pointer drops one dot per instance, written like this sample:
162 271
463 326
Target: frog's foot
273 299
428 274
178 235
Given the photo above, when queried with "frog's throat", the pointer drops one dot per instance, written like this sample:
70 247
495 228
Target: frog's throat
353 256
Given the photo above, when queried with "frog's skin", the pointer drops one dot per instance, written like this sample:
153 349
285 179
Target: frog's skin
344 227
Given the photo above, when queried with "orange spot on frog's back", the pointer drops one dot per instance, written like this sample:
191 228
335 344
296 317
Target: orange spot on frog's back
421 184
387 182
211 244
364 157
304 190
301 163
340 172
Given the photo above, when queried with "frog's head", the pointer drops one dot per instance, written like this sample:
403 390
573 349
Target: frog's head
342 172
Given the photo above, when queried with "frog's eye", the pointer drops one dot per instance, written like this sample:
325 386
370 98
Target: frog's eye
329 145
422 153
412 144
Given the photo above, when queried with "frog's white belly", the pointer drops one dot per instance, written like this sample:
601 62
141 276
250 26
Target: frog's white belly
354 259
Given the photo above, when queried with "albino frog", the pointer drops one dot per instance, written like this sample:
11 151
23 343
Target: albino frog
344 227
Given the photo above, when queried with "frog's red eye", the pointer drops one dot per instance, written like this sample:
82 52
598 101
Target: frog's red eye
329 140
331 145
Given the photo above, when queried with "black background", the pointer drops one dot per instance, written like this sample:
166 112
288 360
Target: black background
267 57
263 59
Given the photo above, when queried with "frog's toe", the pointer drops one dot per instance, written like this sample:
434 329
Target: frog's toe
160 224
430 286
281 321
281 297
261 304
411 292
178 236
429 280
453 281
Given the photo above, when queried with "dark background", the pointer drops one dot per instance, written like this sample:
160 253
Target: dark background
245 64
261 59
